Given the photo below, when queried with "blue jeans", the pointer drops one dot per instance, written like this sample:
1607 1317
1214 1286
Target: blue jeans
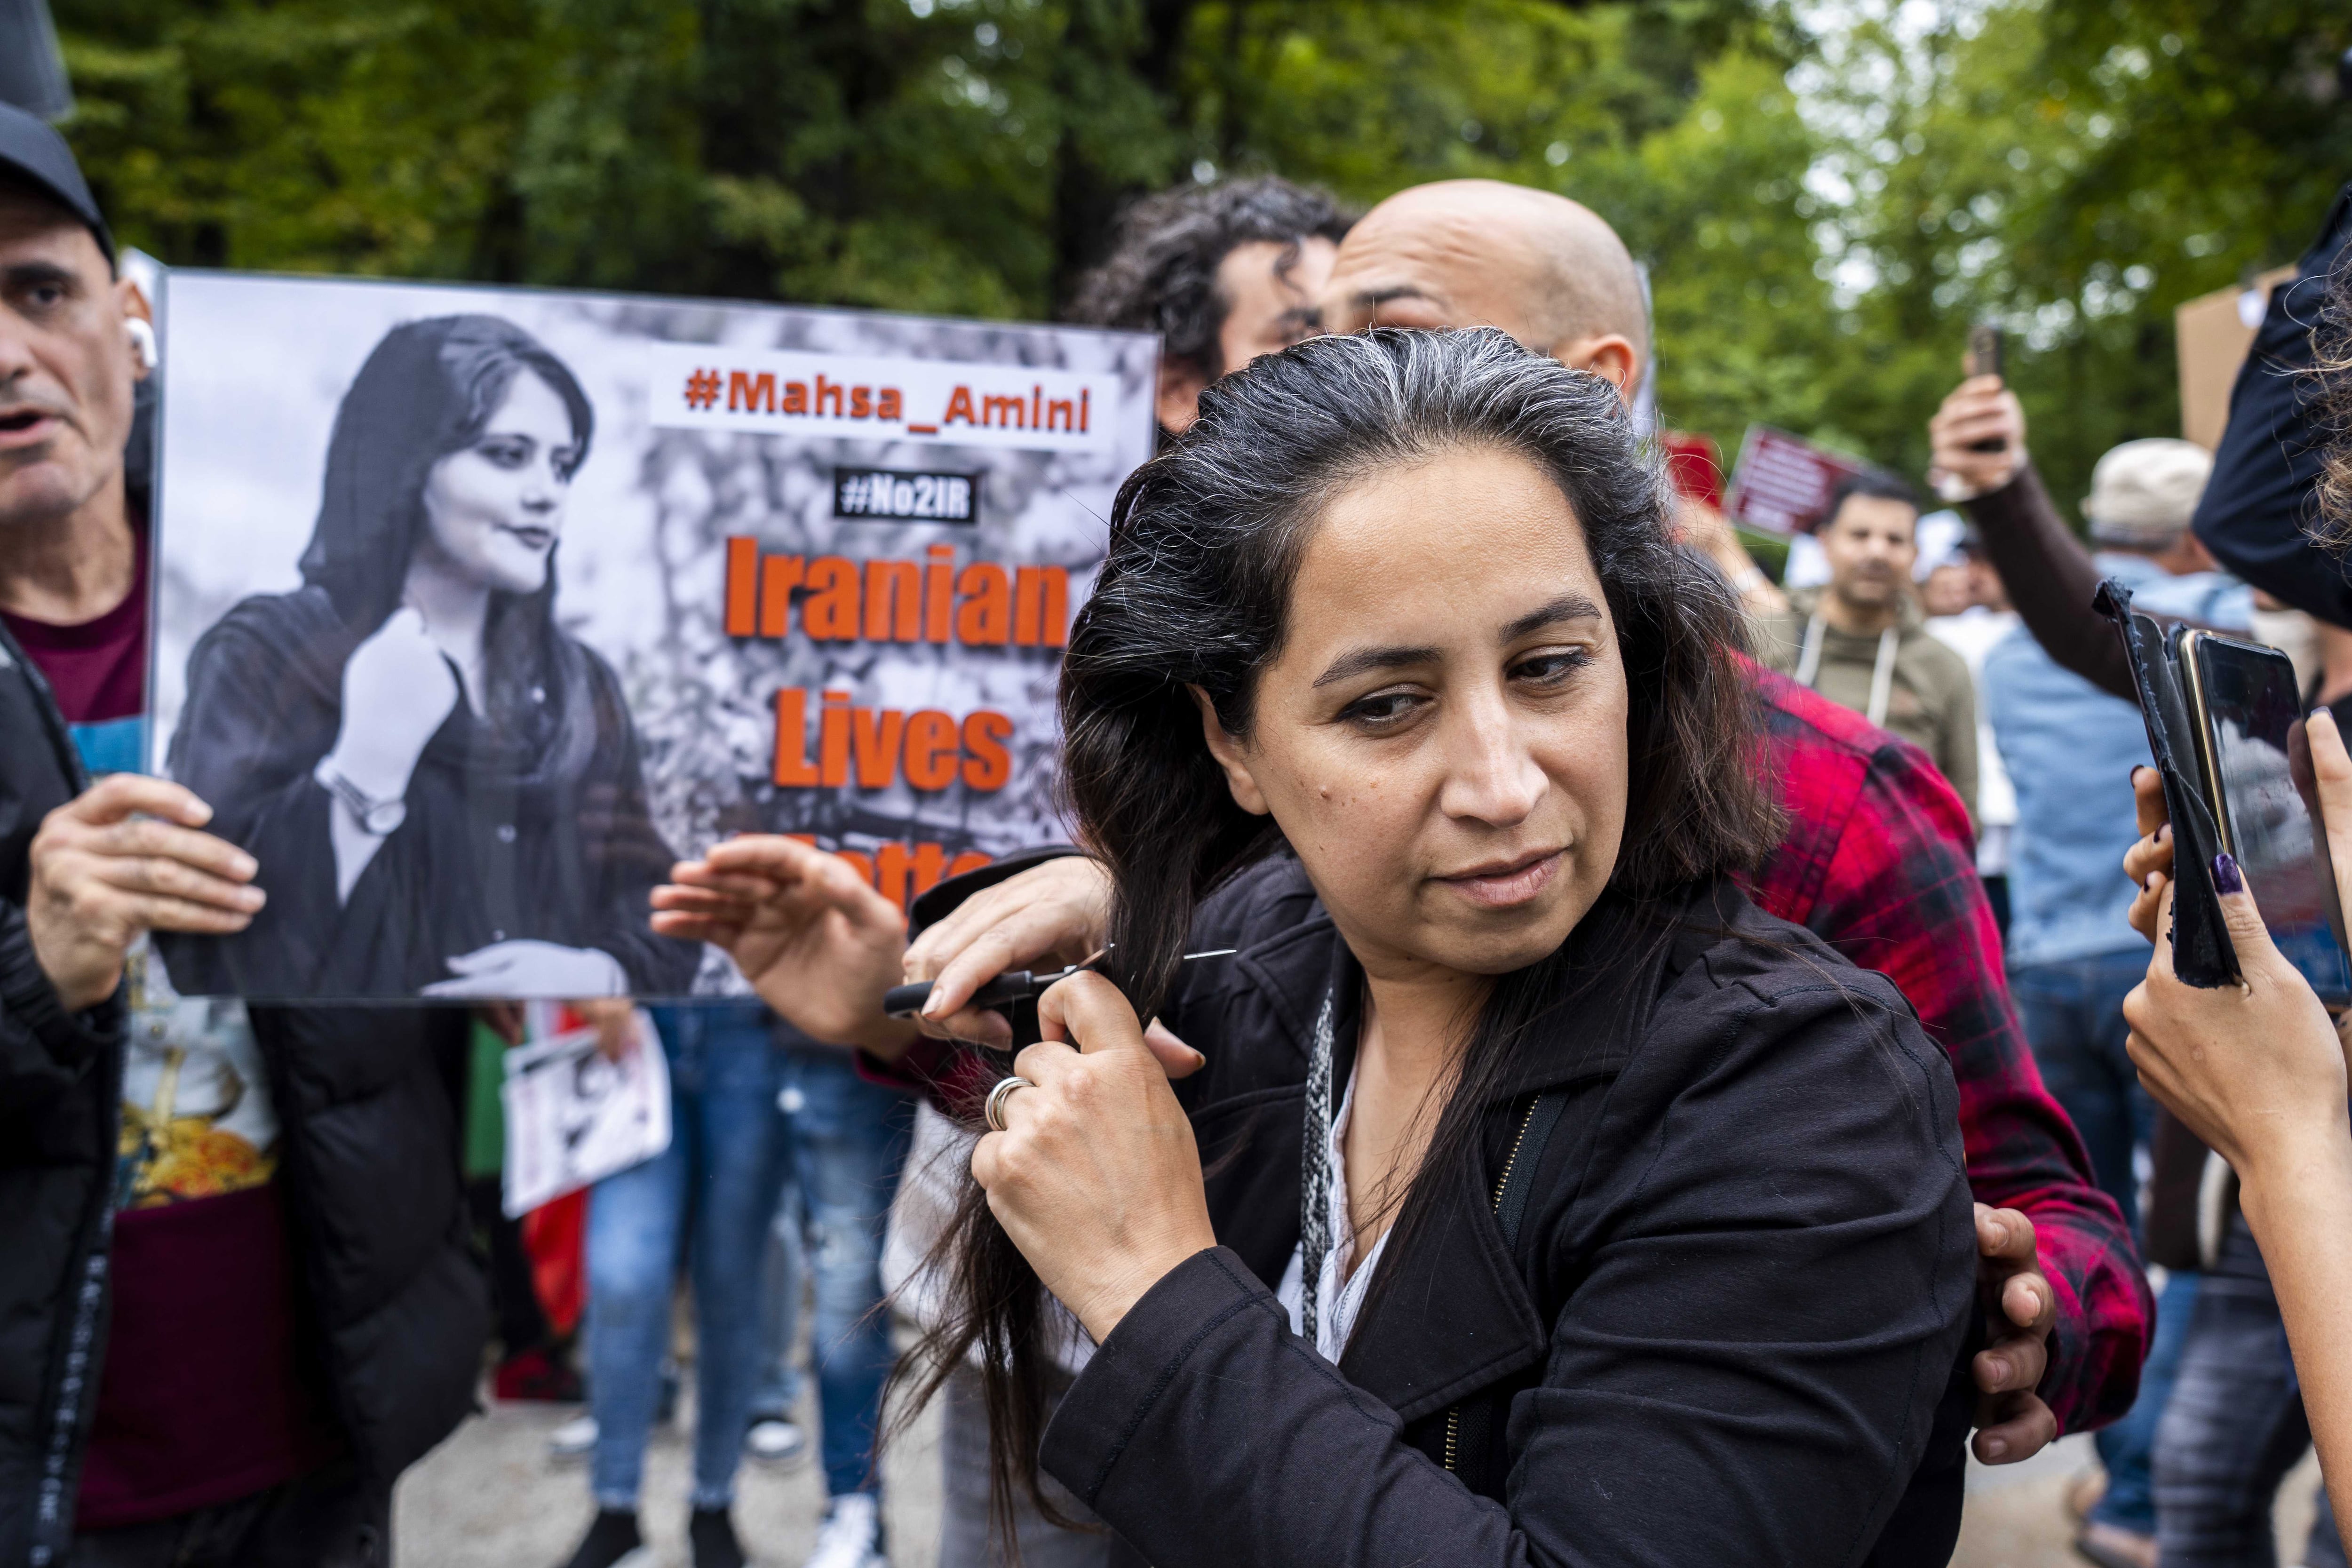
2234 1427
2127 1448
849 1140
2074 1016
710 1193
780 1302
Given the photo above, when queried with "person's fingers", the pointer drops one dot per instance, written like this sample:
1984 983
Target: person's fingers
987 1159
699 901
1046 1062
2011 1364
2239 914
2331 766
162 911
2148 799
971 1026
161 874
1985 418
2026 1428
1089 1011
1176 1059
732 884
2150 853
2142 915
117 796
954 931
2005 1234
990 954
696 927
2028 1301
2160 963
144 837
476 962
768 855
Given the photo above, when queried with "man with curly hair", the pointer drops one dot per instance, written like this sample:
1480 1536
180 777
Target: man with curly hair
1222 273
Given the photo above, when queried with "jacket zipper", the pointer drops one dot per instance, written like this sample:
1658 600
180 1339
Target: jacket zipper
1454 1415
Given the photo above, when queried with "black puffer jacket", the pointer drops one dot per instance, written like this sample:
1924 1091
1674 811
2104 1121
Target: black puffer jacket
369 1159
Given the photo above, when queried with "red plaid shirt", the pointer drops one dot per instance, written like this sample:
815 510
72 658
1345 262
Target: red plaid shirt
1878 863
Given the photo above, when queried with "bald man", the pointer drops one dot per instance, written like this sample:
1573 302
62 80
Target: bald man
1480 253
1548 271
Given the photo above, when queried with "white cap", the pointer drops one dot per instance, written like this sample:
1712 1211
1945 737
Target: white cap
2143 493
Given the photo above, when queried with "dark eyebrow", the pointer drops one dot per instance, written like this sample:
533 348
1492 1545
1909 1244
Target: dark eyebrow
1567 607
1349 665
34 274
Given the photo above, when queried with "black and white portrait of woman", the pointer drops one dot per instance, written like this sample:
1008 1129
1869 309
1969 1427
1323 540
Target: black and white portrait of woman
442 788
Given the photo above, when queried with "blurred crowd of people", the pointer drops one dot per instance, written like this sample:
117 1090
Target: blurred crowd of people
241 1380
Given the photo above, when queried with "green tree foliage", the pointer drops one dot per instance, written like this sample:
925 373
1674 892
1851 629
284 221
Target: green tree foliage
1822 209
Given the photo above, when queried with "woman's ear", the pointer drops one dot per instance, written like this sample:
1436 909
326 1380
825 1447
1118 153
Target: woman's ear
1228 753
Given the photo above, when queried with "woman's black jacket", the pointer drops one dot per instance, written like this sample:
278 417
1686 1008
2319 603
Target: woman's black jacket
391 1290
1743 1273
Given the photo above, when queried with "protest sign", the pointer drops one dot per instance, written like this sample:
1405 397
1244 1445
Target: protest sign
573 1117
474 608
1782 483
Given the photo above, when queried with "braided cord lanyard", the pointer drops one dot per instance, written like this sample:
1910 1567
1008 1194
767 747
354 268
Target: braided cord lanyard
1314 1172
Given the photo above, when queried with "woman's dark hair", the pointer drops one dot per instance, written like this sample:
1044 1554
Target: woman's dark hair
1205 543
2331 344
429 389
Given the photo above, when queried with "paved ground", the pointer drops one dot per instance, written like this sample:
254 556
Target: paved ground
488 1497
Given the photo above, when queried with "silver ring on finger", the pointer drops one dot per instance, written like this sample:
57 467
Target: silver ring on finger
993 1110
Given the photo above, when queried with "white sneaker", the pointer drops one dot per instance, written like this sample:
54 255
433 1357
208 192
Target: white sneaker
773 1440
850 1536
575 1439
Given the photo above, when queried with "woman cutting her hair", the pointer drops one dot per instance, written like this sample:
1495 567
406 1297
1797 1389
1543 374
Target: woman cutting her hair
1540 1200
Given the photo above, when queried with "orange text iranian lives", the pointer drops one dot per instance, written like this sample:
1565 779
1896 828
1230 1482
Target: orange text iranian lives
912 593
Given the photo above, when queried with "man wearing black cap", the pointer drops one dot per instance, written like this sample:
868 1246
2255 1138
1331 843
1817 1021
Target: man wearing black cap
235 1297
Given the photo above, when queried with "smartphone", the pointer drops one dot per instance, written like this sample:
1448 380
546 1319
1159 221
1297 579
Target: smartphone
2255 768
1984 348
1984 359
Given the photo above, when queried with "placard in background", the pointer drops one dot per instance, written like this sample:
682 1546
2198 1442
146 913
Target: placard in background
1781 482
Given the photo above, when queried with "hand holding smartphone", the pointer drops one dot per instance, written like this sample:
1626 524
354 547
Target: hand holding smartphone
2254 769
2226 726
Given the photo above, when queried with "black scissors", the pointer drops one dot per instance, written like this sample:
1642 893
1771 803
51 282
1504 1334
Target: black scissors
1008 990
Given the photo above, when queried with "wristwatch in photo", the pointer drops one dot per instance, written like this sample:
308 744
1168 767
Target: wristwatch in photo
377 818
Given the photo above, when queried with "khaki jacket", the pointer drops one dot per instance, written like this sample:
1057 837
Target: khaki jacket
1931 699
